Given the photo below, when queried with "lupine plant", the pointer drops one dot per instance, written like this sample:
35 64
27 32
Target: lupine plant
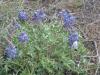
46 53
46 50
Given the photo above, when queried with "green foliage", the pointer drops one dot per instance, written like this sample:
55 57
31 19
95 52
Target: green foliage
46 53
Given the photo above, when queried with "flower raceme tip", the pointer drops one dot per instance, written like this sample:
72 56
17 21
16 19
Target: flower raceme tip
22 15
23 37
39 15
10 52
73 40
68 19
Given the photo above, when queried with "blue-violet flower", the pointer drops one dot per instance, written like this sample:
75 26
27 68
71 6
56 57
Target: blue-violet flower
73 40
23 15
23 37
68 19
39 15
10 52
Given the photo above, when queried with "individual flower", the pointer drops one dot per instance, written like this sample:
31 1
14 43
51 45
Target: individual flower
73 40
23 37
10 52
22 15
39 15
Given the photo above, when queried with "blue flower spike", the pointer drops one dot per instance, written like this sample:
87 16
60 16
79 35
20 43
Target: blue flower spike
10 52
73 40
22 15
68 19
23 37
64 13
39 15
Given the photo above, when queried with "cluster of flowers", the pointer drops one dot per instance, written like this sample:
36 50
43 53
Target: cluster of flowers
39 15
69 22
11 50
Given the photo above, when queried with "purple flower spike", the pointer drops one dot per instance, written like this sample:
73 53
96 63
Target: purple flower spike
68 19
39 15
23 16
10 52
23 37
73 40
